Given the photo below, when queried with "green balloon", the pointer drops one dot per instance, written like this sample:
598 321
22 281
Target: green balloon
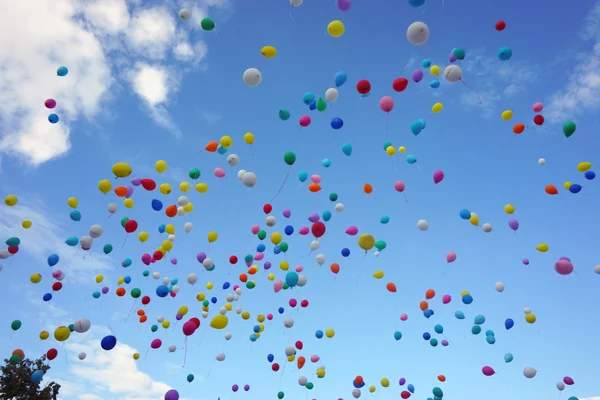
13 241
284 114
380 245
194 173
108 248
72 327
135 293
569 128
250 285
289 158
146 273
459 53
16 324
190 377
207 24
124 221
205 303
14 359
333 196
154 328
321 104
433 342
280 395
285 286
261 234
437 392
309 385
283 246
386 145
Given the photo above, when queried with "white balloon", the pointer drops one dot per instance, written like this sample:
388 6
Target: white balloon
252 77
183 201
192 279
4 254
228 336
172 238
172 348
417 33
187 227
356 393
487 228
176 289
160 319
82 355
314 245
238 310
112 208
499 286
222 311
166 281
527 310
61 276
236 297
453 73
339 207
82 325
296 3
331 94
529 372
597 269
208 263
288 322
241 173
180 211
302 381
96 231
542 161
560 386
270 221
301 280
184 14
156 275
376 254
249 179
221 357
229 298
233 160
320 259
289 351
204 314
238 291
86 242
423 225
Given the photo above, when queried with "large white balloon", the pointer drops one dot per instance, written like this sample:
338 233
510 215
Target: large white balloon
184 14
156 275
270 221
252 77
527 310
172 348
499 286
288 322
208 263
249 179
86 242
296 3
82 325
183 201
301 280
529 372
233 160
187 227
417 33
423 225
96 231
221 357
331 94
302 381
289 351
4 254
356 393
453 73
228 336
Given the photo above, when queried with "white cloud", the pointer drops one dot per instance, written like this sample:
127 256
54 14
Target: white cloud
184 51
110 16
152 32
46 237
210 117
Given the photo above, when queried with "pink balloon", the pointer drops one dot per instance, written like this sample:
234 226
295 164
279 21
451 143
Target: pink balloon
56 273
189 328
299 268
235 287
269 317
305 121
259 256
315 358
277 286
156 343
488 371
403 317
304 230
438 176
399 186
538 107
50 103
146 258
451 257
315 178
563 267
219 172
293 302
255 229
446 299
568 380
352 230
386 104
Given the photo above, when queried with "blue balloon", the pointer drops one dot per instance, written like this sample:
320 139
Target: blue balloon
575 188
96 295
416 3
253 337
434 84
385 219
256 329
508 357
416 127
345 252
213 300
261 248
52 260
162 291
312 106
108 342
226 285
489 332
72 241
410 388
509 323
146 273
326 215
62 71
397 335
464 213
438 329
347 149
270 358
37 376
319 334
427 313
340 78
426 336
157 205
423 123
127 262
276 250
53 118
505 53
337 123
127 280
326 162
303 176
289 230
291 278
162 228
426 63
590 175
459 315
174 281
308 98
356 385
490 339
75 215
479 320
467 299
221 150
411 159
476 330
48 297
281 310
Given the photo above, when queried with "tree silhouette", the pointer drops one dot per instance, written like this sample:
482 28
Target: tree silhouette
16 384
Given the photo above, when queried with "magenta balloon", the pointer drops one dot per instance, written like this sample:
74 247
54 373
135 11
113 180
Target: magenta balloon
344 5
189 328
452 58
563 267
568 380
417 75
513 224
352 231
386 103
156 343
438 176
305 121
304 230
172 395
259 256
446 299
399 186
488 371
146 258
50 103
451 257
445 343
565 258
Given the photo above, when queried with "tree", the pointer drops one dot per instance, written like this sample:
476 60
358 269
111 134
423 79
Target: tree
16 384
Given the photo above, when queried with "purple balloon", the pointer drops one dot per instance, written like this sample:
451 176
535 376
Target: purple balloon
525 261
235 388
313 218
344 5
445 343
287 213
417 75
267 265
514 224
129 191
174 260
402 381
452 58
178 317
246 387
201 257
565 258
105 290
50 103
136 181
172 395
563 267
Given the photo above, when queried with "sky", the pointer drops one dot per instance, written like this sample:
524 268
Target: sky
144 85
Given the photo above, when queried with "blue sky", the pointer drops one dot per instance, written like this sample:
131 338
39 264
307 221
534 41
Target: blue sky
149 86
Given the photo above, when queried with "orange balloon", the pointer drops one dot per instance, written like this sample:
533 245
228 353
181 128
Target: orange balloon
143 318
441 378
252 270
121 191
171 211
212 146
430 294
335 268
423 305
19 352
359 380
140 312
243 278
121 292
551 190
313 187
368 188
391 287
518 129
301 361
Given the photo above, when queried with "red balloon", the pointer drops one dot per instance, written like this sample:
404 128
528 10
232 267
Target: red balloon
157 255
233 260
131 226
145 300
267 208
400 84
299 345
56 286
13 249
304 303
51 354
195 321
538 119
173 294
275 367
188 328
500 25
363 86
318 229
148 184
405 394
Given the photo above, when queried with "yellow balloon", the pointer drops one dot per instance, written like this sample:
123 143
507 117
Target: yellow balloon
161 166
260 318
507 115
336 28
163 251
72 202
320 373
167 245
183 310
104 186
567 185
219 321
435 70
226 142
402 149
584 166
121 170
261 327
212 237
62 333
530 318
284 265
542 247
26 224
128 203
509 209
249 138
44 335
474 220
271 276
437 107
268 52
184 187
209 285
291 358
204 308
465 293
276 238
228 306
391 150
170 229
99 278
121 280
188 208
143 236
366 242
136 356
378 274
166 324
35 278
200 296
372 389
165 188
201 187
246 315
385 382
330 333
257 334
10 200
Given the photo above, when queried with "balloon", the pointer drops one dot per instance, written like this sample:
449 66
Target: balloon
391 287
417 75
438 176
453 73
505 53
518 129
569 128
529 372
513 224
337 123
417 33
422 225
108 342
584 166
459 53
508 358
451 257
344 5
507 115
386 103
568 380
340 78
268 51
363 86
336 28
62 71
563 267
120 170
551 190
434 70
488 371
500 26
252 77
366 242
437 107
347 149
400 84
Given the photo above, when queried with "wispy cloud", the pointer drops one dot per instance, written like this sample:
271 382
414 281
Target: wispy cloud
410 64
210 117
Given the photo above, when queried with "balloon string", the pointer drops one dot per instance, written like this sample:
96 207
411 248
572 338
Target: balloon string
185 351
126 236
387 120
474 91
290 14
282 185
